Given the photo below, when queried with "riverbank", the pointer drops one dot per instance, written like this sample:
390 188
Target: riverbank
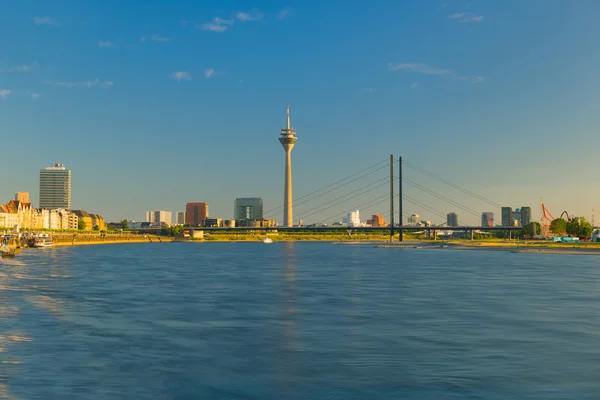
87 239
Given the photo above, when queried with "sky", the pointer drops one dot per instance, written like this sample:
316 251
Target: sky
152 104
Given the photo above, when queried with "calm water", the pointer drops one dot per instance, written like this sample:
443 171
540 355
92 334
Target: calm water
297 321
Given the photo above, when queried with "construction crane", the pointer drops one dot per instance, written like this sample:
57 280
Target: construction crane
545 220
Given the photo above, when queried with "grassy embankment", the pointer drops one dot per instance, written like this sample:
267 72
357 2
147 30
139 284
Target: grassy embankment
89 238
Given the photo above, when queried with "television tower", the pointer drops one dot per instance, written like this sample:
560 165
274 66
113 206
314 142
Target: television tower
288 139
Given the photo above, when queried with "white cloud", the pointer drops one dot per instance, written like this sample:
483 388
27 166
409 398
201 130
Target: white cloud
154 38
283 13
218 25
22 68
181 75
466 17
472 79
84 84
475 18
429 70
209 72
106 44
414 85
4 93
254 16
418 67
44 21
35 96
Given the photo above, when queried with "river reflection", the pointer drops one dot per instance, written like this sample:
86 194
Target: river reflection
296 321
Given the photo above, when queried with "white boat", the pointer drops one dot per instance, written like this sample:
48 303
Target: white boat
43 242
267 240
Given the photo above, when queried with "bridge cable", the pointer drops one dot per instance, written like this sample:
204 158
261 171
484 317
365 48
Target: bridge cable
276 209
454 185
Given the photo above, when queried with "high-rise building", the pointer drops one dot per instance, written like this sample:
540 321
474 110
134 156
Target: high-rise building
22 197
158 217
487 219
55 187
352 218
248 208
507 216
180 217
377 220
195 213
288 139
452 219
525 216
413 220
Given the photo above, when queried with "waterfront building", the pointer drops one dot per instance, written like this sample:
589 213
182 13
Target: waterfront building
452 219
248 208
55 187
22 197
413 220
90 220
180 217
256 223
159 217
487 219
212 222
525 216
352 218
195 213
288 139
507 216
376 220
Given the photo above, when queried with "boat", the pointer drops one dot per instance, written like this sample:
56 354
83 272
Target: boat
267 240
42 242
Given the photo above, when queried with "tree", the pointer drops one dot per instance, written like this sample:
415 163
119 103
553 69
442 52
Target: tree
125 224
96 228
81 225
558 226
579 227
532 229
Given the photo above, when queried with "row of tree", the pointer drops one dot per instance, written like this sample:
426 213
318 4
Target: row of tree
578 227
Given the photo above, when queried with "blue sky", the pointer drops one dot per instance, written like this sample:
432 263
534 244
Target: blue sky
153 104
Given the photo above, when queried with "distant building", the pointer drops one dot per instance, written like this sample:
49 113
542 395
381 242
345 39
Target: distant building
55 187
452 219
525 216
213 222
352 218
22 197
248 208
487 219
507 216
181 218
158 217
90 220
195 213
376 220
413 220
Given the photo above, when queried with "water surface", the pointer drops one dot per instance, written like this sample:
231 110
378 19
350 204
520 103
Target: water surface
297 321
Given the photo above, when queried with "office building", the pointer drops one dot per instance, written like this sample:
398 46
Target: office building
248 208
452 219
413 220
525 216
352 218
487 219
181 218
376 220
55 187
159 217
507 216
195 213
288 139
22 197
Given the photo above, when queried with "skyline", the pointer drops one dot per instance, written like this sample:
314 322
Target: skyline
495 98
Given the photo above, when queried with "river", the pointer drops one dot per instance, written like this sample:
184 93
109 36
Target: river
297 321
